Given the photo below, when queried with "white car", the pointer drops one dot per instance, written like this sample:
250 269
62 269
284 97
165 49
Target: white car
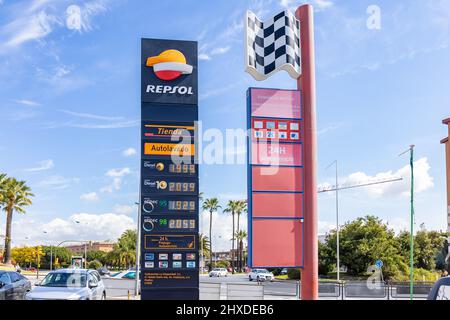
218 272
69 284
261 275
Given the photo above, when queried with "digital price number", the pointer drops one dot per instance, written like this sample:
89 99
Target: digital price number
182 168
182 205
182 187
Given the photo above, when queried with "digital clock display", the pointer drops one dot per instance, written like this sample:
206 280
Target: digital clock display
182 205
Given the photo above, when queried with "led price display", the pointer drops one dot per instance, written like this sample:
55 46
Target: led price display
170 185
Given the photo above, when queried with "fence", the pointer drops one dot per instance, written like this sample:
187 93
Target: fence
119 288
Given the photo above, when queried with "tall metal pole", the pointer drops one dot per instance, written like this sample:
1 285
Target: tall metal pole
138 249
338 264
85 256
446 142
411 257
307 85
51 257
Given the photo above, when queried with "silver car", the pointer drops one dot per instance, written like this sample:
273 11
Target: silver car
69 284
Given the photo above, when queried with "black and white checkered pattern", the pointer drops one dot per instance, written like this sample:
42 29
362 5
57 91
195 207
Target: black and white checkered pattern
273 45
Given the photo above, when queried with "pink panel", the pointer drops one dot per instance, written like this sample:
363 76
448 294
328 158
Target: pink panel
277 154
288 205
277 243
275 103
277 179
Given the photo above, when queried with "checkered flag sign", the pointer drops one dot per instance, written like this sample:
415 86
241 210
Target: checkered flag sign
272 45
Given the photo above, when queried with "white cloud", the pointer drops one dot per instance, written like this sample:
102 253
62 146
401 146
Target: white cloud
422 180
28 102
319 5
56 182
79 18
204 57
91 196
125 209
129 152
220 50
42 166
99 227
29 27
118 172
325 227
114 186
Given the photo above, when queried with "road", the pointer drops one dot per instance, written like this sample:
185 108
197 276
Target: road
285 289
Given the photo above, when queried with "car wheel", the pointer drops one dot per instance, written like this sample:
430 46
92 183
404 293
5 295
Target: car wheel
104 296
250 278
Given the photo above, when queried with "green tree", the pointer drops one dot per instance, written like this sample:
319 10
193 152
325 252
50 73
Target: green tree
94 264
427 247
61 257
232 208
211 205
124 251
327 261
205 248
241 235
96 255
15 196
365 240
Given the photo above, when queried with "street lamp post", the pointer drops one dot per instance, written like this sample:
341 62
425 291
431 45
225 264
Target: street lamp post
85 249
411 253
138 242
338 265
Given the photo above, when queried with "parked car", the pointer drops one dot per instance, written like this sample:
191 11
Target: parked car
127 274
284 271
69 284
104 272
218 272
440 290
13 285
261 275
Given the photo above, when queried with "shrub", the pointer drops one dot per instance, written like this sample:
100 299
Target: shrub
94 264
293 274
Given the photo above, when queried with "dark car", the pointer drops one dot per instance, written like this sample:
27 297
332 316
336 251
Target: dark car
13 286
103 271
441 290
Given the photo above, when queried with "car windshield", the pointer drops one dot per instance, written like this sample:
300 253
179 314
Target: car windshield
216 270
263 271
62 279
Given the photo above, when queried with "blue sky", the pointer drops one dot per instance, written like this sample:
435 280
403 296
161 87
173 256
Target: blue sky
69 99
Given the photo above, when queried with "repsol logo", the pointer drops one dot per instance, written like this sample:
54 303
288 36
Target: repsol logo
169 89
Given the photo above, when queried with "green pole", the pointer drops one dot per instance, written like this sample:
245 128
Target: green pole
411 255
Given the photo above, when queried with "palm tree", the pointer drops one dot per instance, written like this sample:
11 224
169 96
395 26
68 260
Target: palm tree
15 195
126 248
241 208
232 207
211 205
205 248
240 236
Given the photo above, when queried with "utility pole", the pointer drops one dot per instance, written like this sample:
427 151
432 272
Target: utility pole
138 249
338 265
446 142
411 254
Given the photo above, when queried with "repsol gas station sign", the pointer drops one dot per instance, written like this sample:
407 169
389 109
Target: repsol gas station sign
169 71
169 181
